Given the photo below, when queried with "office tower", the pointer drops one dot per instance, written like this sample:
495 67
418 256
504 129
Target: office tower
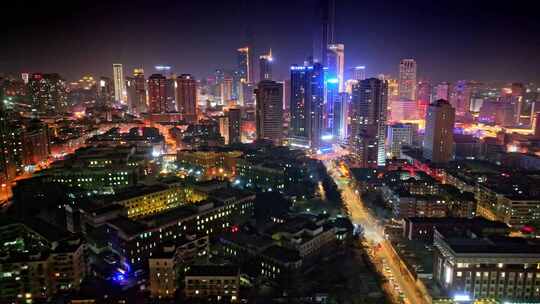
234 119
336 63
407 79
265 66
187 97
226 89
369 103
359 72
400 135
140 91
423 98
307 102
269 111
104 91
48 92
442 91
244 65
157 94
341 115
118 77
324 30
439 135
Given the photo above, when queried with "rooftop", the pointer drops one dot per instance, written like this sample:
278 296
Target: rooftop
212 270
498 244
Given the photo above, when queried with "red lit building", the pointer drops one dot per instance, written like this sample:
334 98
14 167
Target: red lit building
157 94
187 97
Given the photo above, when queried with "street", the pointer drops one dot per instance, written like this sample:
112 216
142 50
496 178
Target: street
380 248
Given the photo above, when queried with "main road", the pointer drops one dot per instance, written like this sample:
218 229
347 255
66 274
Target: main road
374 234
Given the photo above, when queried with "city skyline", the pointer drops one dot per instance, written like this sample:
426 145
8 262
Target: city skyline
460 43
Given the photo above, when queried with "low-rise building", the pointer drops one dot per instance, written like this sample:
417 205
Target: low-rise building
498 267
38 260
422 228
166 267
218 282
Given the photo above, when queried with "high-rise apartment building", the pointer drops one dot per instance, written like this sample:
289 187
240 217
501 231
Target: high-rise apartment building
157 95
187 97
400 135
407 79
269 111
119 85
368 135
307 105
438 143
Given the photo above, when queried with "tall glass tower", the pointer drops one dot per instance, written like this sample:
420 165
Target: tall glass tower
307 105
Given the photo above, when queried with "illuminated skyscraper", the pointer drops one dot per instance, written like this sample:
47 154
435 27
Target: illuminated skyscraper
187 97
265 66
438 143
336 63
269 111
369 102
244 65
407 79
307 105
140 90
359 72
157 95
119 85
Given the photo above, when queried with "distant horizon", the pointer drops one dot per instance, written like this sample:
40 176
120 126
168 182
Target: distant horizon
490 42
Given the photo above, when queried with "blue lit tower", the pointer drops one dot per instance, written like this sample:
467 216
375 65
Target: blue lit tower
307 105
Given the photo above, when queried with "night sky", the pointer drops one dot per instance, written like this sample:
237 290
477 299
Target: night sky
478 40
